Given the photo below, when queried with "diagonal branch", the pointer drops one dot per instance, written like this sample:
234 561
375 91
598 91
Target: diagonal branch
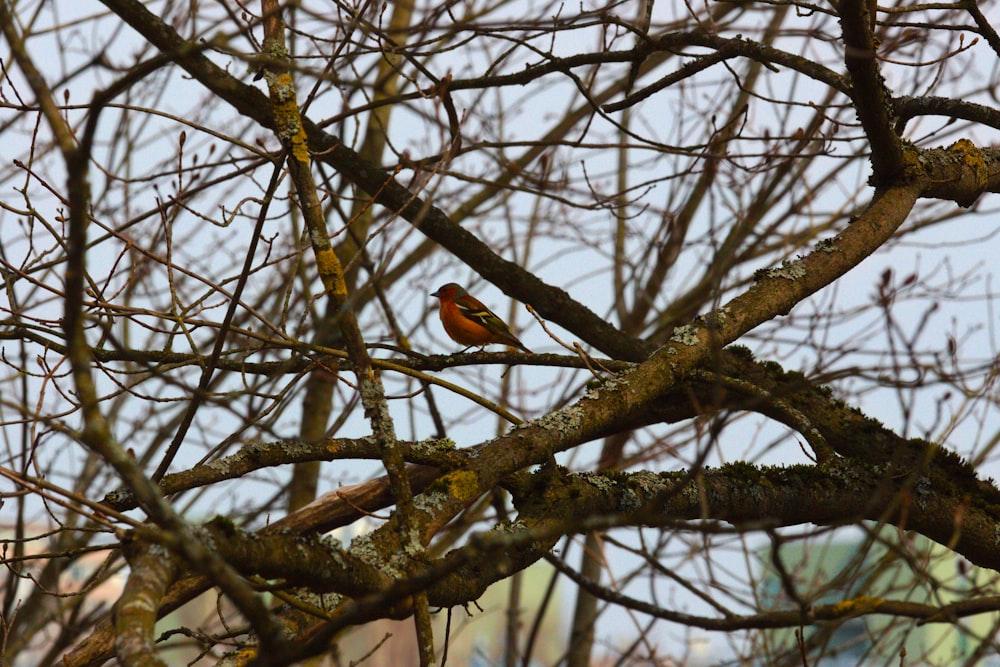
550 302
871 98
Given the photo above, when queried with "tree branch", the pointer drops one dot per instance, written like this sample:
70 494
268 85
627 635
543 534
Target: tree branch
868 90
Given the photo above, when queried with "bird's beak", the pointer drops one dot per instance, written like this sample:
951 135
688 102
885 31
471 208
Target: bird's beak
435 293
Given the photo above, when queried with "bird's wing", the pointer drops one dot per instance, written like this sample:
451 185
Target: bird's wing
483 316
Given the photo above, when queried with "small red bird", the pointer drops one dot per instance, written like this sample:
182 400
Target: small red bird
468 322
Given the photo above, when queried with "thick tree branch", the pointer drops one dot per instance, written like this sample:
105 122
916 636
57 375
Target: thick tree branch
309 560
845 491
152 571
